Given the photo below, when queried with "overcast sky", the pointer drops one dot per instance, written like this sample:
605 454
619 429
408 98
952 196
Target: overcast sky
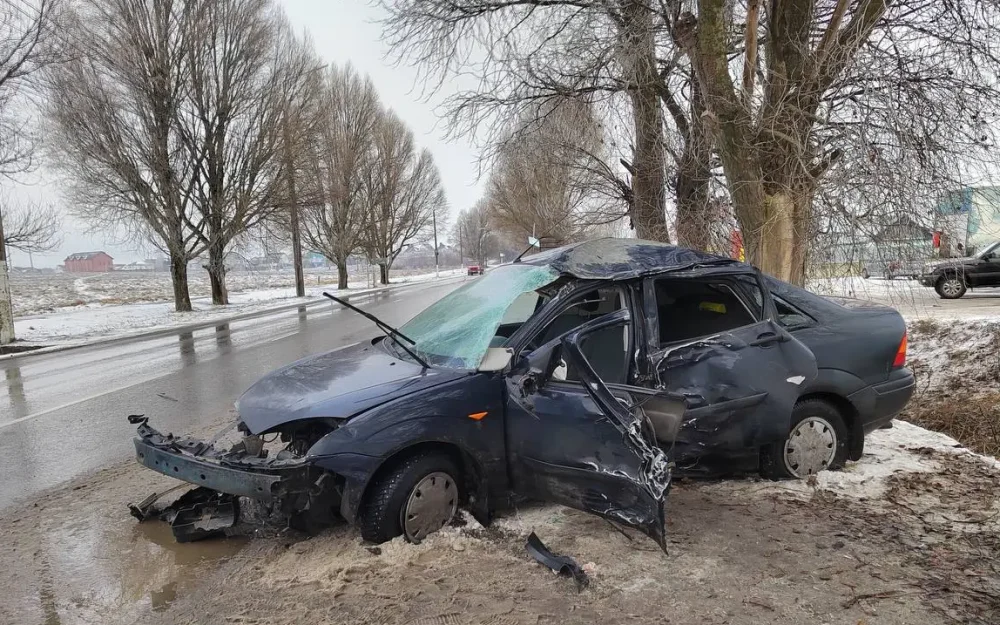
343 31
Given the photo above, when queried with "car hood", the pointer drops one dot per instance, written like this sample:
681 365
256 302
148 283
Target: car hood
339 384
950 262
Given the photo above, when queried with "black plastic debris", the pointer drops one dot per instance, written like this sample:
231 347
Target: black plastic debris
563 565
146 509
200 513
196 515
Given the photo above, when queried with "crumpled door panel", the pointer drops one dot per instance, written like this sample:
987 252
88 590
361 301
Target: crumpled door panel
740 385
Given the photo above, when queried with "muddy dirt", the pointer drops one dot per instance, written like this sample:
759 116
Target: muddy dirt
918 547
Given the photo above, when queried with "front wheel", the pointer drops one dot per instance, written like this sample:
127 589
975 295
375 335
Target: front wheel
416 498
817 440
950 287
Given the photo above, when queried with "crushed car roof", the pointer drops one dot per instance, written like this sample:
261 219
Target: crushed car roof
622 259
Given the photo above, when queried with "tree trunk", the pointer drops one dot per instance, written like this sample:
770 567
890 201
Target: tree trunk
179 278
383 271
777 237
6 305
649 214
217 273
341 275
695 213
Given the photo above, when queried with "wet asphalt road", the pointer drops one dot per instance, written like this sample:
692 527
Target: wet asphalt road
63 414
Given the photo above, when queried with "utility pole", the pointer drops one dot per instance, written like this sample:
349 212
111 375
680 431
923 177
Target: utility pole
6 307
293 217
437 273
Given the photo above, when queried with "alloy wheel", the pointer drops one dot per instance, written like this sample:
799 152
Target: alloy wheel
951 287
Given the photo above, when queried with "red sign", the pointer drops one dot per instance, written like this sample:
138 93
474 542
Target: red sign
736 246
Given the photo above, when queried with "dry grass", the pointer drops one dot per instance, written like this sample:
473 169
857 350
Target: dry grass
973 420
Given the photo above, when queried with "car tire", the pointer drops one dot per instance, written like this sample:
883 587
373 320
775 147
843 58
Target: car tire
817 423
400 489
865 274
950 287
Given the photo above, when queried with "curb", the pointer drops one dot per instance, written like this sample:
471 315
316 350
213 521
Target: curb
201 325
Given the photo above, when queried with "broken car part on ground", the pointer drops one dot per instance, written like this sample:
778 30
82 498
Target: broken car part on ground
640 358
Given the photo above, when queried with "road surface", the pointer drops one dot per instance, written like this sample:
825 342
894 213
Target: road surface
63 414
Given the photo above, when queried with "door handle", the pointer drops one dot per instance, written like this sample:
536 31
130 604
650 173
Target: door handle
765 339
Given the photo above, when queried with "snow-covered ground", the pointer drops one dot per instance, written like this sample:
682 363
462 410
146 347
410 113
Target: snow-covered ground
113 305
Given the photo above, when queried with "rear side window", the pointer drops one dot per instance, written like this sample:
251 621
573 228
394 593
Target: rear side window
688 309
752 288
789 316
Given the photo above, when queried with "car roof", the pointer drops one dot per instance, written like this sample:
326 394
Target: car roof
623 259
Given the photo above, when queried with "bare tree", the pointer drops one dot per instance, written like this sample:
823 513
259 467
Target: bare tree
241 62
474 234
542 182
402 189
29 228
805 98
113 108
536 51
26 46
340 159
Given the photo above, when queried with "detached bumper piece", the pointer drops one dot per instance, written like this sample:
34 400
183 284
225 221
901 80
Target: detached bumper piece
196 515
563 565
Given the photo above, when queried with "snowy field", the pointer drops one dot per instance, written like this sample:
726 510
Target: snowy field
67 308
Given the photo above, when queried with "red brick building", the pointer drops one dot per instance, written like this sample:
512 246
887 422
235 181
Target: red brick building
89 262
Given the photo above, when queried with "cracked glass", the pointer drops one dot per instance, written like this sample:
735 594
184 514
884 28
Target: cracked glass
457 330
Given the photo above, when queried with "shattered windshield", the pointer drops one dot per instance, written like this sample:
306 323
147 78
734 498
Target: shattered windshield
456 330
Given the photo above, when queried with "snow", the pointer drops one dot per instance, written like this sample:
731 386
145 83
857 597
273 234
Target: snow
102 318
899 450
954 354
36 293
887 452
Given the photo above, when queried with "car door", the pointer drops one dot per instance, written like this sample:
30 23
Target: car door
986 271
739 369
572 441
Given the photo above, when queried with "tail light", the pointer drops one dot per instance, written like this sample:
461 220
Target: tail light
900 359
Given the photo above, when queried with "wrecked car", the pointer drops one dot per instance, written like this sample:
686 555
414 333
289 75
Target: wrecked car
584 375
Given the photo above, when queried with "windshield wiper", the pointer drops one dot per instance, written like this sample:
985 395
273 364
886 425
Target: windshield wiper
390 331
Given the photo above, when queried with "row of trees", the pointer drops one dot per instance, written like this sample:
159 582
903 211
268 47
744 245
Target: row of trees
368 186
780 118
190 124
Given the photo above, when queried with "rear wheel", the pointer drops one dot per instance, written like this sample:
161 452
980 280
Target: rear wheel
950 287
416 498
817 440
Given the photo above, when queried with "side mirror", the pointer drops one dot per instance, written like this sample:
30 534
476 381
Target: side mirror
538 367
496 359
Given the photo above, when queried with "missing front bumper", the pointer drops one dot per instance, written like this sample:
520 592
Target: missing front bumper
260 485
287 486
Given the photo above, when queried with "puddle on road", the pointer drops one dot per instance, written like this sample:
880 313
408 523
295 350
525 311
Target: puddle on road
100 570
